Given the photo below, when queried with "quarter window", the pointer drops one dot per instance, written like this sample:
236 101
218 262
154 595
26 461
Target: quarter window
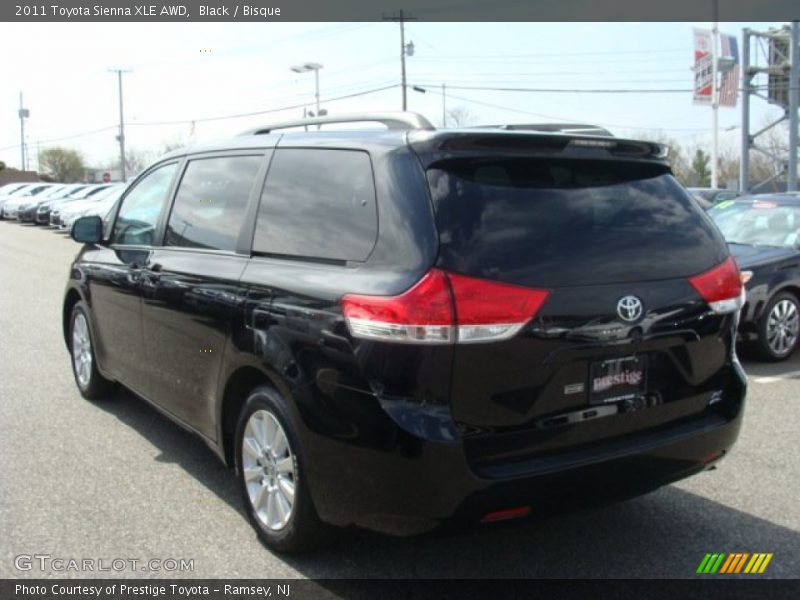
141 207
318 203
210 204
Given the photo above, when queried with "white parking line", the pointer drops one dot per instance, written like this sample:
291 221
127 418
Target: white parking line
774 378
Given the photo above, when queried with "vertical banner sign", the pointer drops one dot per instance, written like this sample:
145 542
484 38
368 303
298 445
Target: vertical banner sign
703 69
729 86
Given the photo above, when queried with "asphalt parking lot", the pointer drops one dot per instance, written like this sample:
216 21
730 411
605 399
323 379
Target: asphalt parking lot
118 480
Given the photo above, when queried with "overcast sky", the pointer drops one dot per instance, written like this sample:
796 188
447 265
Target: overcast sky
195 71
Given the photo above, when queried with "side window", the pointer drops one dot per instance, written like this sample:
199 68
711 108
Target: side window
210 204
318 203
138 215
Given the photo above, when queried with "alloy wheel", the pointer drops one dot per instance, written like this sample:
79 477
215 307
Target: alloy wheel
783 327
81 350
268 467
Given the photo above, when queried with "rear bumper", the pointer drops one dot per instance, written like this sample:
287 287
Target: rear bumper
418 482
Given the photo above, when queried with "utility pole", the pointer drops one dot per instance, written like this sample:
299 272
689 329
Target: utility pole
121 136
794 102
747 90
24 113
401 17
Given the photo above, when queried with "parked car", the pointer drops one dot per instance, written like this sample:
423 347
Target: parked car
90 193
406 326
100 207
44 206
10 209
27 211
10 190
714 195
763 233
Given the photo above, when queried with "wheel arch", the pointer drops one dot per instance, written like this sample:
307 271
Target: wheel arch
237 385
70 300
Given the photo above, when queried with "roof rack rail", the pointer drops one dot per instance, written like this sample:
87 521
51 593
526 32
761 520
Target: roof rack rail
570 128
393 120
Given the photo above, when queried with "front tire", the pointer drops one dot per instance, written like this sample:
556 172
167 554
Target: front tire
271 475
91 384
779 327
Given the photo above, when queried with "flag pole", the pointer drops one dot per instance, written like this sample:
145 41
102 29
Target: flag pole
714 98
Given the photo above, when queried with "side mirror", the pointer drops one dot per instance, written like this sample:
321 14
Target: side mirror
88 230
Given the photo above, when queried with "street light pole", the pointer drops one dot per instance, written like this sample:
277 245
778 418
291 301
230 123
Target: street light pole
316 87
305 68
714 99
403 58
444 106
23 114
121 136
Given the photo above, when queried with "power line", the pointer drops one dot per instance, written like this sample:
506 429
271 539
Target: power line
551 55
206 119
565 90
555 118
264 112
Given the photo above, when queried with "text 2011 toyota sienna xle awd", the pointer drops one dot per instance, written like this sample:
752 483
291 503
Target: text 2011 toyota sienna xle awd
409 325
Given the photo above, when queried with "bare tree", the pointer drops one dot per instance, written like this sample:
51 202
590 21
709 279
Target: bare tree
460 117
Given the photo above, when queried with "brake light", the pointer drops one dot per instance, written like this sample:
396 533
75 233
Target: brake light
443 308
721 287
487 310
424 313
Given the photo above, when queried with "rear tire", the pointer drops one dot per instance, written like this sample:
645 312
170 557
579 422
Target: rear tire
779 328
91 384
270 470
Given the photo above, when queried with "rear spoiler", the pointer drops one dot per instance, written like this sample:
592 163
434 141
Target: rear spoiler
435 146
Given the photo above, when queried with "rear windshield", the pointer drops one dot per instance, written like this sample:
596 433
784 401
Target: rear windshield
557 223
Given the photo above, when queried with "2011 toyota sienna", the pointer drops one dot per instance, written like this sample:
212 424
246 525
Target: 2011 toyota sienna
409 325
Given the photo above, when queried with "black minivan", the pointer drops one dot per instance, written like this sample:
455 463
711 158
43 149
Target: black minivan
398 327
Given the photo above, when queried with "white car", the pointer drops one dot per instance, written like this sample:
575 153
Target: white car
43 207
12 205
100 208
13 190
80 200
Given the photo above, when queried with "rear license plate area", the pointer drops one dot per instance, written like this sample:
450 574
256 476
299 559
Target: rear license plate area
617 379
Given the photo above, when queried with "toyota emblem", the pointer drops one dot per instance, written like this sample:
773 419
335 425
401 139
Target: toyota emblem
629 308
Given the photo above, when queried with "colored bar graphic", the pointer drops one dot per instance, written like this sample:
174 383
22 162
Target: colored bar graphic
734 563
703 563
741 562
727 564
765 563
755 562
718 564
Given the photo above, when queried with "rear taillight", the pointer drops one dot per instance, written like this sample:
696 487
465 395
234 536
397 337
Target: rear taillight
443 308
721 287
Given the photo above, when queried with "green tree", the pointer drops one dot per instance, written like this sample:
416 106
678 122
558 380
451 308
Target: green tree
700 168
63 164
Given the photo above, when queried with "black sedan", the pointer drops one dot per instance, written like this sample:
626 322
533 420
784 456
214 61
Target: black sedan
763 233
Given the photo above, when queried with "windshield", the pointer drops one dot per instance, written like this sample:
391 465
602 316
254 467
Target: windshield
758 223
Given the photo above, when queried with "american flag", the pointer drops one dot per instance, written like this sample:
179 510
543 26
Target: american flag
730 81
